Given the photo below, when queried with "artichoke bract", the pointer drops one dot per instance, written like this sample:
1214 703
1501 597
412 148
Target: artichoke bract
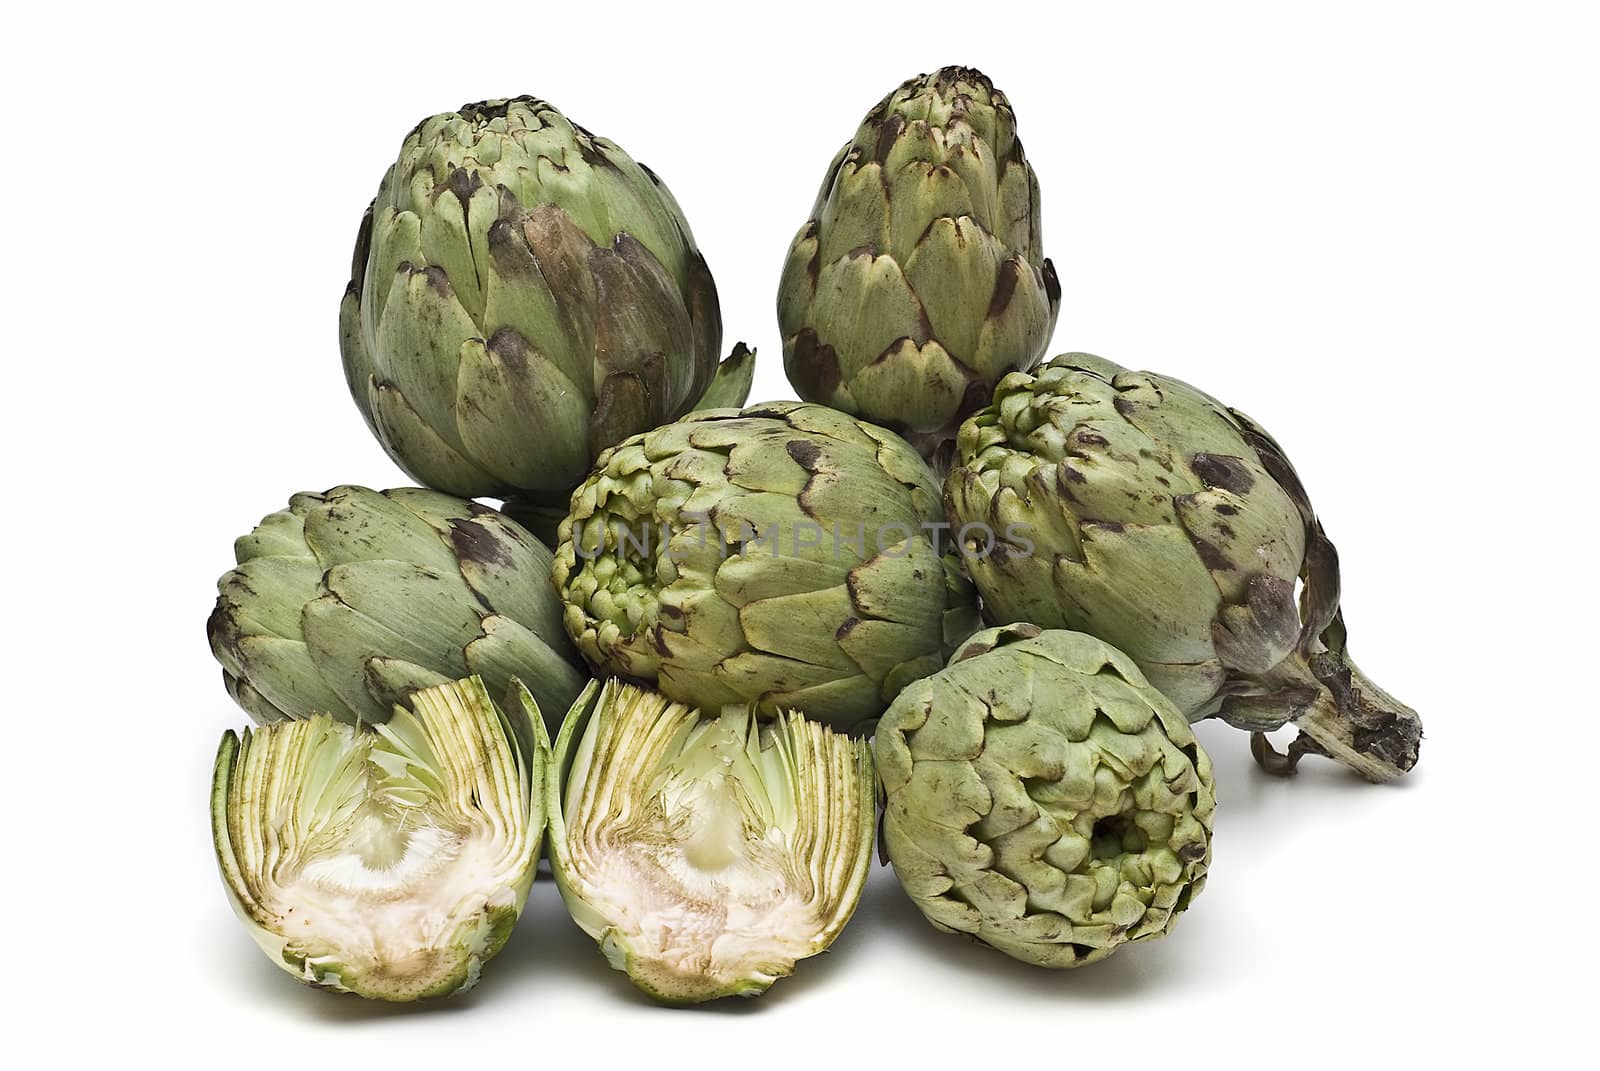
920 278
706 853
1044 799
390 861
523 296
347 601
1133 507
785 555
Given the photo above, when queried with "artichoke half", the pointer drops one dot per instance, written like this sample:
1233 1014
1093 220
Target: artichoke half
786 555
1044 799
524 295
706 853
390 861
920 278
347 601
1133 507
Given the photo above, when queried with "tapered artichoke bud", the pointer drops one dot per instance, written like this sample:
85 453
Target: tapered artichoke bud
347 601
786 555
524 295
1044 799
391 860
1133 507
706 853
920 279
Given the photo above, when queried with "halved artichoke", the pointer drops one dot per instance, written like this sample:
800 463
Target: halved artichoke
392 860
706 853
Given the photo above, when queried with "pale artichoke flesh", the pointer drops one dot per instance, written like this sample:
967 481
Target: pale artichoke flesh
706 853
390 860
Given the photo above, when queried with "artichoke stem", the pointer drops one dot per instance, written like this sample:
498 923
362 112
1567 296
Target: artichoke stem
1349 719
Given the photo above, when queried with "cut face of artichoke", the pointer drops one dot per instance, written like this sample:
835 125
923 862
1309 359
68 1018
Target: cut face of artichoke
706 853
392 860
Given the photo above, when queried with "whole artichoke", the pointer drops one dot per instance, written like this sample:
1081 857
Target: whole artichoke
1044 798
392 860
523 296
347 601
786 555
1133 507
920 279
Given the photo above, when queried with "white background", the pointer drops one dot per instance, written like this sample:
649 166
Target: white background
1371 226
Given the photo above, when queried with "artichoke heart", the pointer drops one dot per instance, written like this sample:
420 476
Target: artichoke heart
1044 799
390 860
706 853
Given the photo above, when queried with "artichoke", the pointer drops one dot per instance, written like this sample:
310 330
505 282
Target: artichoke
390 861
1043 798
1133 507
706 853
523 296
347 601
786 555
920 280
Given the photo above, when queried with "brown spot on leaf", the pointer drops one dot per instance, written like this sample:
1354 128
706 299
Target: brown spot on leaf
1222 472
438 280
1005 286
1052 285
813 367
474 542
805 453
1213 558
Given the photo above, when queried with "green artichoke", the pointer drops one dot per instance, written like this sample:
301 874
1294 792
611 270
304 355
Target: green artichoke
525 295
786 555
1043 798
706 854
390 861
1135 508
920 279
347 601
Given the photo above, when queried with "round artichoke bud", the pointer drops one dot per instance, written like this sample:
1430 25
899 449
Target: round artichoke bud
1043 798
347 601
786 555
919 279
524 295
1133 507
389 860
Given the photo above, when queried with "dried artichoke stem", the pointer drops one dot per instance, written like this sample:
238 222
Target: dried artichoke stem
1340 712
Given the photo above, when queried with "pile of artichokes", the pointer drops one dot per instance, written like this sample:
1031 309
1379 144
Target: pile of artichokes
705 650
